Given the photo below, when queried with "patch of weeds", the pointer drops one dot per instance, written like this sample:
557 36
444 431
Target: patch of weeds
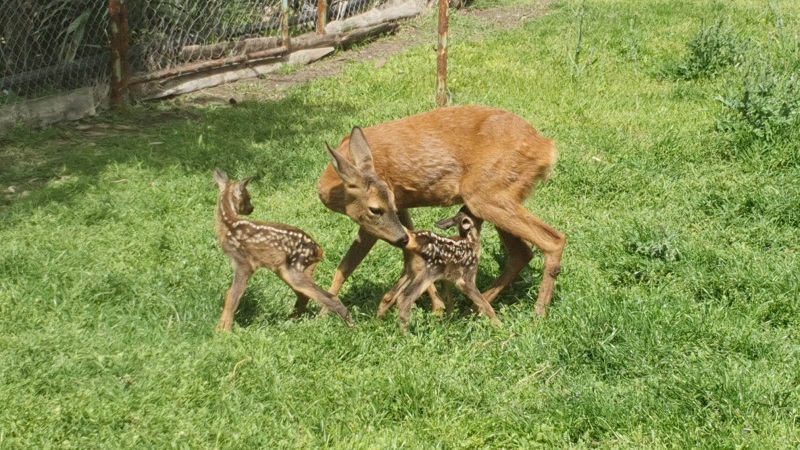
766 107
653 243
289 69
781 311
712 49
580 60
649 256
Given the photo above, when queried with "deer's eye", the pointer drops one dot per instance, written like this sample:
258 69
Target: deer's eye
376 211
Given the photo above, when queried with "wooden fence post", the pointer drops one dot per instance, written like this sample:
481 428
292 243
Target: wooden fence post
322 16
285 23
119 44
441 63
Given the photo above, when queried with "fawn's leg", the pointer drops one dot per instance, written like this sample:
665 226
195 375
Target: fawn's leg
391 297
302 284
302 299
408 296
241 273
437 305
447 295
483 306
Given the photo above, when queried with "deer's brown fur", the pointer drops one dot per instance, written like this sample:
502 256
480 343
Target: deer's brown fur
288 251
486 158
430 257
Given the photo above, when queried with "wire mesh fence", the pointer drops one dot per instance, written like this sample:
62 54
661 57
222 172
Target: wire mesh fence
53 46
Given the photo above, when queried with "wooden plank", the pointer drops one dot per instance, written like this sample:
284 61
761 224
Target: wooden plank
197 81
73 105
375 16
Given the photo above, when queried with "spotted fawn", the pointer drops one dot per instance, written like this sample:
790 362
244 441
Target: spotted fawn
430 257
288 251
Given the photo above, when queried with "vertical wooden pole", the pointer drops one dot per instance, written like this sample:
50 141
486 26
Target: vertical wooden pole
322 16
119 44
441 64
285 23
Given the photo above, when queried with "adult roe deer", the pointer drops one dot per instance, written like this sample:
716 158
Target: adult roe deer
288 251
486 158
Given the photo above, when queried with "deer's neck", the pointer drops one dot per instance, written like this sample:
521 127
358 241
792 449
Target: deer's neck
226 210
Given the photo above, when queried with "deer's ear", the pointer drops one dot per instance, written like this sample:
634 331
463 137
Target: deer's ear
445 224
344 168
243 184
220 178
361 151
466 223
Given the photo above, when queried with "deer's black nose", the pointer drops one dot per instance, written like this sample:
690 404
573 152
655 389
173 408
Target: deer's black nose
402 242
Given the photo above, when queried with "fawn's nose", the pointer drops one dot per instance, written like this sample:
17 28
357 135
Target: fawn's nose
402 242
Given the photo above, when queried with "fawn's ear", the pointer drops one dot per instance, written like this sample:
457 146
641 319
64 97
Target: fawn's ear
243 184
466 223
445 224
220 178
344 168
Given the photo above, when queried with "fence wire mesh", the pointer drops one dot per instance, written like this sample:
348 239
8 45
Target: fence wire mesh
50 46
53 46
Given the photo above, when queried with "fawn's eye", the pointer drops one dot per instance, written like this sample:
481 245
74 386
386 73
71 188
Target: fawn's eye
376 211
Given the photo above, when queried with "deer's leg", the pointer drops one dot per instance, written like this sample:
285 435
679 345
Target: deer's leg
358 250
518 221
483 306
447 295
519 255
391 297
408 296
437 305
302 299
302 284
241 274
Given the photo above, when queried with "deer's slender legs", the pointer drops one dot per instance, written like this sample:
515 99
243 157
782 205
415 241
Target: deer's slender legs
302 284
302 300
437 305
518 221
241 274
483 306
408 296
391 297
358 250
447 295
519 255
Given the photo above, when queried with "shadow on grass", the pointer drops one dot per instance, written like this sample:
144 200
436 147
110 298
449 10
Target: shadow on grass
195 140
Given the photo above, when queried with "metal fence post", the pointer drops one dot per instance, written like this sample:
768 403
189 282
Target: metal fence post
441 63
285 23
322 16
119 44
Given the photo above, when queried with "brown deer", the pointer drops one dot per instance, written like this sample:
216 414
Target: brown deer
430 257
288 251
486 158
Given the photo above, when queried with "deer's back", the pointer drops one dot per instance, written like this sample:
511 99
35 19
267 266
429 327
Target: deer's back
270 245
438 157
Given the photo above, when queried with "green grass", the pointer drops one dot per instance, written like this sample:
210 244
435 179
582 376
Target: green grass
675 321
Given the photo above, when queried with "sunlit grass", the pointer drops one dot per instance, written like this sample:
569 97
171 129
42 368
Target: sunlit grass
675 321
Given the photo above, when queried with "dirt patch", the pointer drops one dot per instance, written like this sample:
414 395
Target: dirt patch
415 32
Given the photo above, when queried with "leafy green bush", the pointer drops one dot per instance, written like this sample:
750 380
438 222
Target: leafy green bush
712 49
765 107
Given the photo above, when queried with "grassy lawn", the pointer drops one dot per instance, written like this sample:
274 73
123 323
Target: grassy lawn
676 320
